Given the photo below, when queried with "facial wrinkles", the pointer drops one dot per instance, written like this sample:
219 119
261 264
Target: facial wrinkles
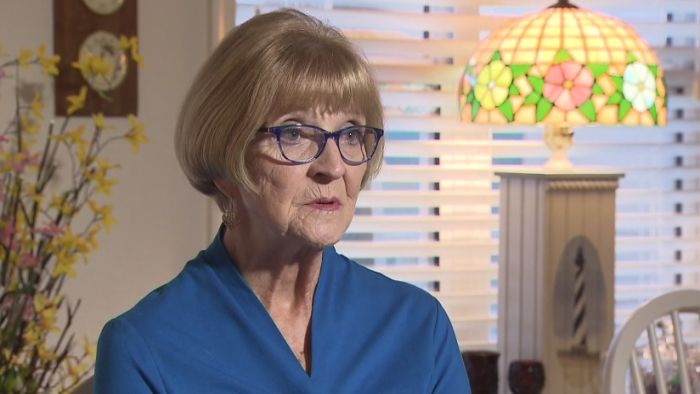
284 201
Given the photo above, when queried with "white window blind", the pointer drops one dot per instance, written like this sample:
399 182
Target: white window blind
431 217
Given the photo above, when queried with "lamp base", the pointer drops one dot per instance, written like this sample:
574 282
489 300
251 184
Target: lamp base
558 138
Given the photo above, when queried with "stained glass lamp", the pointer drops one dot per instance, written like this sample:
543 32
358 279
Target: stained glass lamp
562 67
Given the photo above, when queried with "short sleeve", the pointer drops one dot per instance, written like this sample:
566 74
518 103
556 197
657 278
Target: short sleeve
449 375
124 362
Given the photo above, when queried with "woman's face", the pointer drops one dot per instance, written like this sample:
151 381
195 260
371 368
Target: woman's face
311 203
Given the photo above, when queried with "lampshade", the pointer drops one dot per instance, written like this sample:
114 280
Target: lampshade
564 66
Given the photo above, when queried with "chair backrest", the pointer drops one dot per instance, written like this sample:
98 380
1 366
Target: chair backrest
622 352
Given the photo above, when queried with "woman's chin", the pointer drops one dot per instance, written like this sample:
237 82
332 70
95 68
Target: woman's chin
320 233
321 238
323 241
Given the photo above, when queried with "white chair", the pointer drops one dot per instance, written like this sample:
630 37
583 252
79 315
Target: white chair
622 353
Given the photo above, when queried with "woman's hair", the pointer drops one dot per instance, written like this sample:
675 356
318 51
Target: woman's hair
273 64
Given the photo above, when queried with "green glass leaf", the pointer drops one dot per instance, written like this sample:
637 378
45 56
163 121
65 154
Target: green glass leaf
598 69
654 114
496 56
475 109
468 69
631 58
617 80
470 96
623 109
536 83
507 110
615 98
654 70
588 110
597 89
532 98
543 108
513 90
562 56
519 69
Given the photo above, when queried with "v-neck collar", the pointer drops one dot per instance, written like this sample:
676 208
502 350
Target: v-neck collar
224 266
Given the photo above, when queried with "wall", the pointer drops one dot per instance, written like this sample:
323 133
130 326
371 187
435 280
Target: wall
160 218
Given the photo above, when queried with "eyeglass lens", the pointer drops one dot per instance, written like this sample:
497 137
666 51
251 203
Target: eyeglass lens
302 143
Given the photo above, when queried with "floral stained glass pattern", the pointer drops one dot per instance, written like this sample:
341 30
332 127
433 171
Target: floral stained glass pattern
607 75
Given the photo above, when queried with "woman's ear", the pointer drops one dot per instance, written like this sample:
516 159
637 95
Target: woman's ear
227 188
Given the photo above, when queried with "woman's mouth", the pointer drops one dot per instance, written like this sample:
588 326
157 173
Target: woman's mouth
325 204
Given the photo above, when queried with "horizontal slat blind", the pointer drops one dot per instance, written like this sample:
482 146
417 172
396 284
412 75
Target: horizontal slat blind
430 218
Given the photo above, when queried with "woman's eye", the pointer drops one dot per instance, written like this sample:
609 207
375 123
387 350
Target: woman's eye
290 135
353 137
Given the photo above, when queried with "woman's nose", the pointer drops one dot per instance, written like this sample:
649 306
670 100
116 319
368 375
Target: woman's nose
330 164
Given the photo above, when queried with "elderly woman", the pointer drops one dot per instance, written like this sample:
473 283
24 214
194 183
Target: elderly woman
282 127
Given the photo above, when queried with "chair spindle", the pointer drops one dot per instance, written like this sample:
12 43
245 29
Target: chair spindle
680 353
656 359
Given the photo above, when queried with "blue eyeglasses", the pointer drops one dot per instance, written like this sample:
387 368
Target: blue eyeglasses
300 143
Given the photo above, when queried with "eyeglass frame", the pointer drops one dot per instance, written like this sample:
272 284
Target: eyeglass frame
277 130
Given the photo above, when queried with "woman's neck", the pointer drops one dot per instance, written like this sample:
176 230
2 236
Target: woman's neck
281 277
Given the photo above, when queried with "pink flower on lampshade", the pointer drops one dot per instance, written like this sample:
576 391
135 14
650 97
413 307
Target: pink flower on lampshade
568 85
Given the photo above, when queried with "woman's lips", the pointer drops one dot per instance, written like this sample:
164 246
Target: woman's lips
325 204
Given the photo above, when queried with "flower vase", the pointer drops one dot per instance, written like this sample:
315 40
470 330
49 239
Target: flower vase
482 369
526 377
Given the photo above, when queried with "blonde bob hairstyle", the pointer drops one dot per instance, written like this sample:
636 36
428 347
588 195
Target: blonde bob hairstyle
273 64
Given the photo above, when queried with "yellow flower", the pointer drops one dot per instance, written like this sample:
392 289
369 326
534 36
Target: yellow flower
44 353
104 186
91 238
91 66
132 44
99 66
82 247
82 64
135 51
77 102
75 138
25 55
98 176
64 264
73 369
124 43
89 348
492 84
47 317
32 335
33 195
103 164
66 209
45 310
37 107
55 202
49 63
103 214
99 120
27 125
136 135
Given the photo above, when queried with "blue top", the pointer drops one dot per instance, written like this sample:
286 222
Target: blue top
206 332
